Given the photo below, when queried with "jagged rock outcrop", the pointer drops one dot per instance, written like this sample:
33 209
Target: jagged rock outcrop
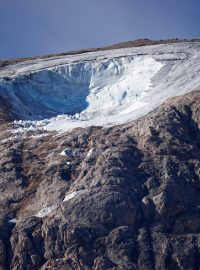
119 198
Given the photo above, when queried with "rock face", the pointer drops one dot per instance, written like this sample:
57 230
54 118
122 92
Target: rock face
120 198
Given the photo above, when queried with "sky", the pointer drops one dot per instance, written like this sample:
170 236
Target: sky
40 27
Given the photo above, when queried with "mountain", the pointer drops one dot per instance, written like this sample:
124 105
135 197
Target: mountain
100 159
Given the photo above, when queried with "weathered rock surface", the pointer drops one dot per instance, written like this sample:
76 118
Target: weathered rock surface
120 198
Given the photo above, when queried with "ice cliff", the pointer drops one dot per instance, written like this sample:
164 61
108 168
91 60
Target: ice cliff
99 88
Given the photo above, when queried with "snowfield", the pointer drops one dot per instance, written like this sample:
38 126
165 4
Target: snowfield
98 88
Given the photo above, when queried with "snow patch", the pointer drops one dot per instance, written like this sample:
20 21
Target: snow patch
11 139
39 136
73 195
46 211
63 153
91 153
14 220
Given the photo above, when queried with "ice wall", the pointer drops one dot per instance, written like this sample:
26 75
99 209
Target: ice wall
87 87
99 88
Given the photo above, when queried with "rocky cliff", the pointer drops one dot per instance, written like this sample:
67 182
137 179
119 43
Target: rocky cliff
122 197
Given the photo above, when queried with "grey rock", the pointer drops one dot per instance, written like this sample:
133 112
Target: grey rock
134 203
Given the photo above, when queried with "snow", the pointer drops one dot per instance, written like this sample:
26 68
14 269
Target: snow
98 88
63 153
39 136
73 195
145 200
11 139
14 220
91 153
137 105
46 211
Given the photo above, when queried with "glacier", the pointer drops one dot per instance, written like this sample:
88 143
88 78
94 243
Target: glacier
98 88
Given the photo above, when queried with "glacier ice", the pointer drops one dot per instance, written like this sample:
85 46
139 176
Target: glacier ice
99 88
80 88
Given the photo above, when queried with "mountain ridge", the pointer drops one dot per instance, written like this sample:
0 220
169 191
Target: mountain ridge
83 193
128 44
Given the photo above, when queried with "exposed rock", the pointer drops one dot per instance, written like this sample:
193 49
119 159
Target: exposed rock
120 198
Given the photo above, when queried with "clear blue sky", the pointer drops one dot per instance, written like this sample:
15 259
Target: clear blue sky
39 27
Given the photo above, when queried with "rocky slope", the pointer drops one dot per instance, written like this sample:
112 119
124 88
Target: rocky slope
119 198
